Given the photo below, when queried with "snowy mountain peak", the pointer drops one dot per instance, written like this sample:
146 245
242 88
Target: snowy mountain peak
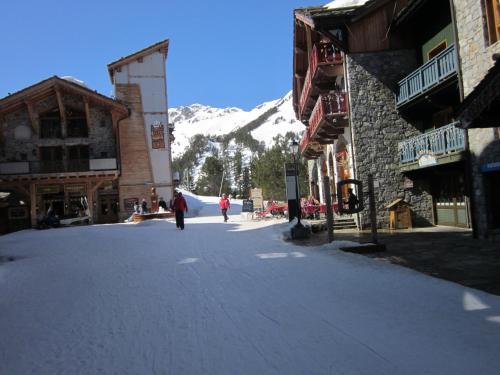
264 122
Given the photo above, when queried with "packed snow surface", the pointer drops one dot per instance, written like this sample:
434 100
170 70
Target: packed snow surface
228 298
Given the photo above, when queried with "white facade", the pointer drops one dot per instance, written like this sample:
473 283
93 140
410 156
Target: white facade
149 72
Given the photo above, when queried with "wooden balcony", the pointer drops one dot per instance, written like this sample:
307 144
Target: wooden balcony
58 166
328 120
324 62
435 71
440 146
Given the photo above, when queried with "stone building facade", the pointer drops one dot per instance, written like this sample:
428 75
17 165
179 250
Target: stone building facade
377 129
402 86
476 60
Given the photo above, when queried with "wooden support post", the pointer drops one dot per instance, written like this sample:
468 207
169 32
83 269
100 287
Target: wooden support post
33 117
62 113
33 204
90 201
373 212
87 112
329 210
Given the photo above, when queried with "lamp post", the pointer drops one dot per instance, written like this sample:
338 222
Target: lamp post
294 149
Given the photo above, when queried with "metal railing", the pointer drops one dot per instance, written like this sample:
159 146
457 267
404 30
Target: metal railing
57 166
437 69
442 141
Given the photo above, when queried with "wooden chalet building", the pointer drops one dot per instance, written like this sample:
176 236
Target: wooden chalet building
386 105
64 144
58 144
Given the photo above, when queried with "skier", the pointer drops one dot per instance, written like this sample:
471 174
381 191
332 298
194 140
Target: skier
179 206
224 206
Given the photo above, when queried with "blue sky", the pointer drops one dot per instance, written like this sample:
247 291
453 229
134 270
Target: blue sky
222 53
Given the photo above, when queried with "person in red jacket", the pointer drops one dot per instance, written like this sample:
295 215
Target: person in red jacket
179 206
224 206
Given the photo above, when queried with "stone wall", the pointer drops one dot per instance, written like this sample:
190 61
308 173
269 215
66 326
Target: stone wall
377 128
474 49
476 59
20 140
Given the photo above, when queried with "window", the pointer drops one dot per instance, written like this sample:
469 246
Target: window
440 47
78 158
77 123
51 159
50 124
492 8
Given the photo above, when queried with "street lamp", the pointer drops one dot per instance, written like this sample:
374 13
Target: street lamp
294 149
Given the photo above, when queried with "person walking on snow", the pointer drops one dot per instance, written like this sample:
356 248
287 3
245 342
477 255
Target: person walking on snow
180 206
224 206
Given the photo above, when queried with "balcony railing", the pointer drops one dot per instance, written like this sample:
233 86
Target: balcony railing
304 142
327 106
428 75
58 166
439 142
322 54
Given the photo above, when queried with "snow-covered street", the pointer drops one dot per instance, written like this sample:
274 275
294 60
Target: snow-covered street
228 298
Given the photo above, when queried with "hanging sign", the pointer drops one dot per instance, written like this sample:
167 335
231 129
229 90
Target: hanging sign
79 189
158 135
48 189
426 158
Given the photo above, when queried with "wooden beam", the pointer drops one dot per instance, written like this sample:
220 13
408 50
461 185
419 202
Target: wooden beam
87 112
33 116
62 112
33 204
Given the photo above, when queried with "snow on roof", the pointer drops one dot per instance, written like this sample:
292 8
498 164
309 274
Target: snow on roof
75 80
337 4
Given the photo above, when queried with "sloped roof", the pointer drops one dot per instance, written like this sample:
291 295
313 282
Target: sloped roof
408 11
48 85
160 46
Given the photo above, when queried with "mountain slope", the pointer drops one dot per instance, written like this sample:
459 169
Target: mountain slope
263 123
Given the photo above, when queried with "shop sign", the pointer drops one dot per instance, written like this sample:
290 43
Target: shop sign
79 189
48 189
158 135
491 167
426 158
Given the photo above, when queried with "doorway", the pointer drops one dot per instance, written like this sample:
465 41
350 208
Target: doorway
108 209
492 182
449 198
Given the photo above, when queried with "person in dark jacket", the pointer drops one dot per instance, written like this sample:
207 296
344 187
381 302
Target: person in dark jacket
144 206
180 206
162 204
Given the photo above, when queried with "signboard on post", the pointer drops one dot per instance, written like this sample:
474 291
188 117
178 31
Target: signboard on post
291 191
257 198
247 205
290 183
